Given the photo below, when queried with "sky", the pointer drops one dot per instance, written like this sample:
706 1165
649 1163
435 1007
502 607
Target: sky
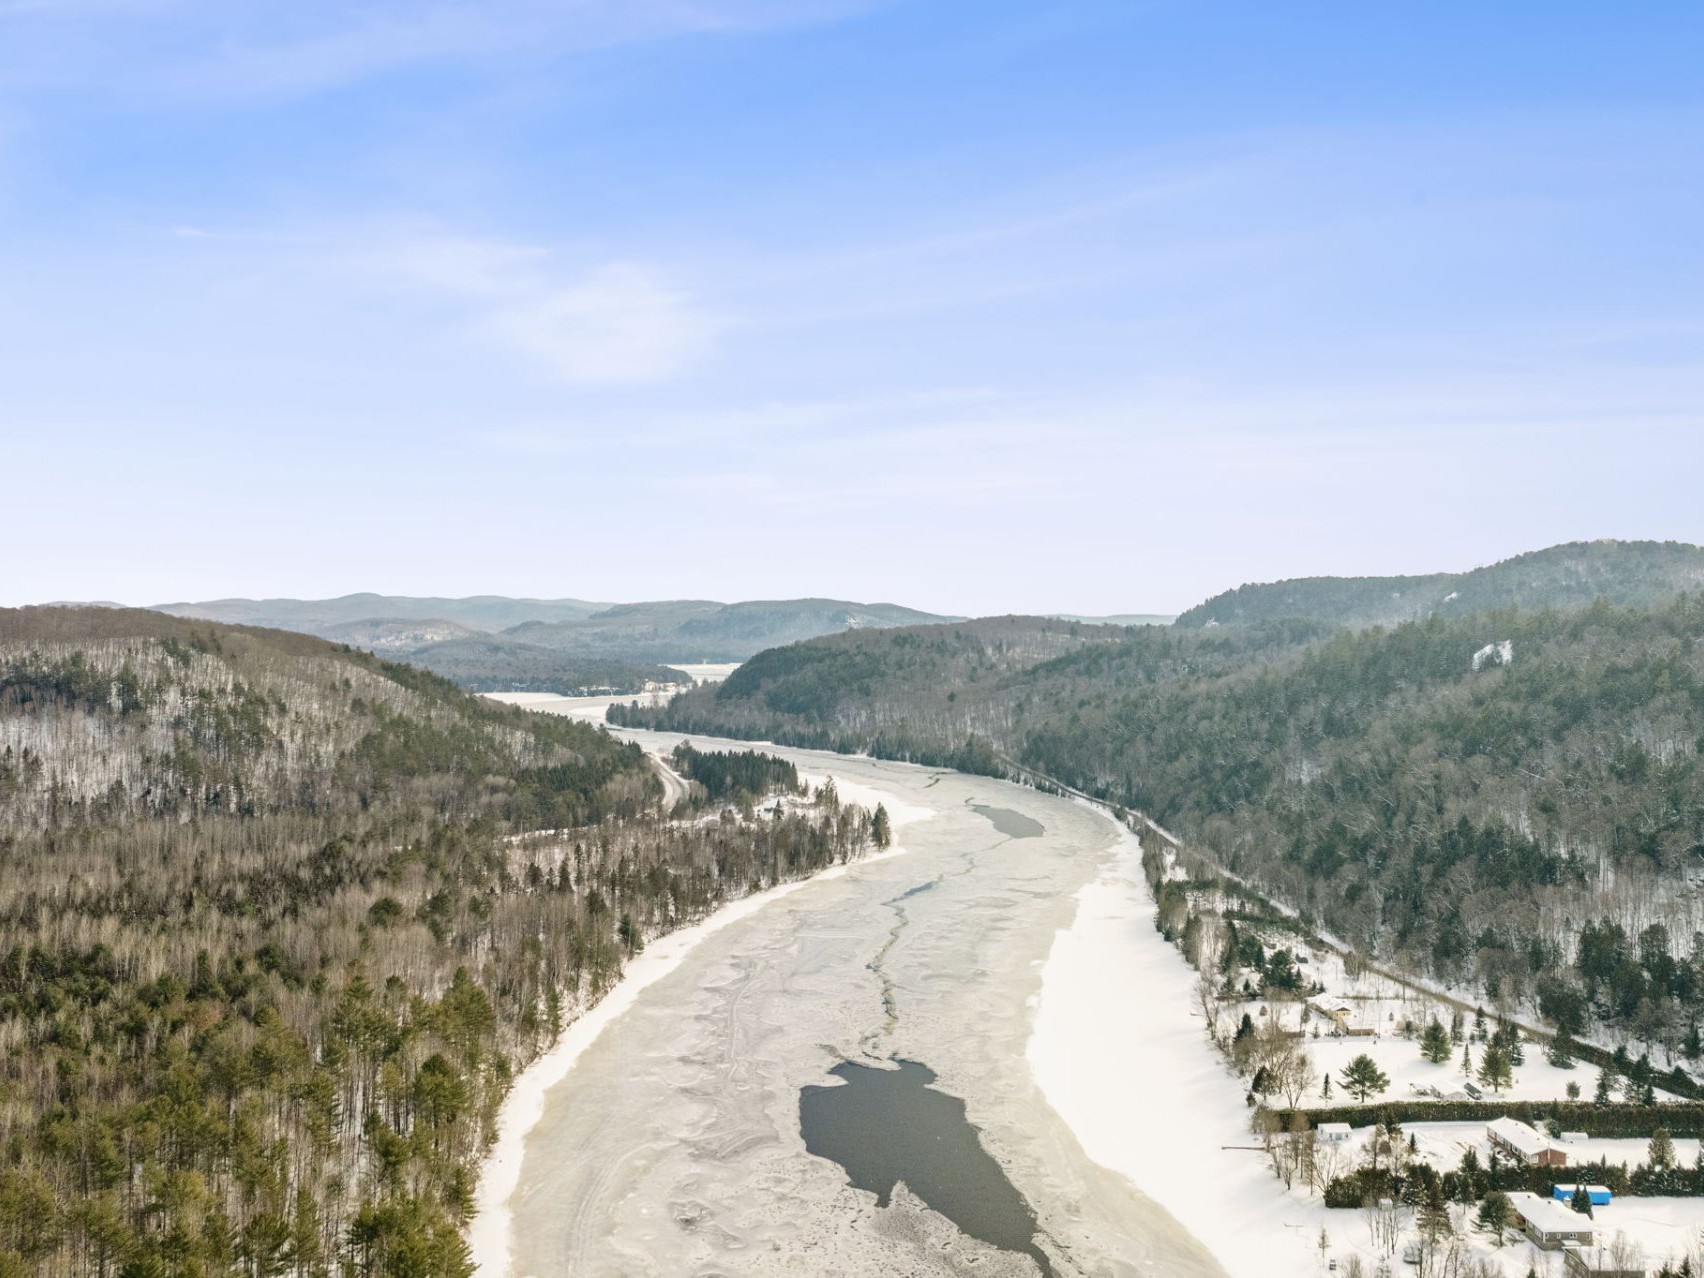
1088 306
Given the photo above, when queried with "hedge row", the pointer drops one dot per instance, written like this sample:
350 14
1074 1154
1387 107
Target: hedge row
1681 1118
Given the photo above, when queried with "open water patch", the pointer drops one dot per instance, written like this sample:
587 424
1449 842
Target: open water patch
1014 825
884 1126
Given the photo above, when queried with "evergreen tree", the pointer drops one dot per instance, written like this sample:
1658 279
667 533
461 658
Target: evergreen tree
1466 1060
1435 1043
1494 1071
1560 1053
1516 1052
881 829
1362 1078
1581 1201
1495 1213
1605 1081
1660 1154
1433 1218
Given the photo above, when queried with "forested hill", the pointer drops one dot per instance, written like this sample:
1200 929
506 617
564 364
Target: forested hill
483 662
109 715
1460 795
1628 573
702 630
280 921
318 616
494 644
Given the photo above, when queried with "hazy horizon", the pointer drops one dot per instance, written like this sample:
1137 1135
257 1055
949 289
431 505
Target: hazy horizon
1091 307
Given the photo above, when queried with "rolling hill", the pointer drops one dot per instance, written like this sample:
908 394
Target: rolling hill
281 923
1574 575
318 616
702 630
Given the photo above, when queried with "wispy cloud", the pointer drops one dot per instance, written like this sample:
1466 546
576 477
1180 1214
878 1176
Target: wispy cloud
612 322
200 47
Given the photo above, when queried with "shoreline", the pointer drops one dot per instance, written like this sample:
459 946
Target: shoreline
1141 1089
490 1233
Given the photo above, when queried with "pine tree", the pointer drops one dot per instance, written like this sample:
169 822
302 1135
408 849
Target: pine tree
1433 1219
1494 1071
881 829
1605 1081
1581 1201
1435 1043
1660 1154
1362 1078
1495 1213
1466 1061
1561 1050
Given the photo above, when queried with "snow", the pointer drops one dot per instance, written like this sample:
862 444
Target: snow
1497 654
1149 1098
489 1233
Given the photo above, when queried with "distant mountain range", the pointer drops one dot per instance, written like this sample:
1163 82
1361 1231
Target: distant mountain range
490 643
318 616
1634 574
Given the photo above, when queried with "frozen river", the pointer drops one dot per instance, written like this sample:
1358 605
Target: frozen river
673 1145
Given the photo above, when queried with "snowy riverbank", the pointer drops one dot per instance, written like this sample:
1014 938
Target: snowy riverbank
489 1235
1120 1052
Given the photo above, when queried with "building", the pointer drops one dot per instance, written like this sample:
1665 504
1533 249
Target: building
1333 1133
1548 1223
1524 1143
1595 1262
1600 1195
1344 1020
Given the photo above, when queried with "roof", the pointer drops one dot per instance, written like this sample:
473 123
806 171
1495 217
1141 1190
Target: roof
1547 1215
1519 1136
1334 1127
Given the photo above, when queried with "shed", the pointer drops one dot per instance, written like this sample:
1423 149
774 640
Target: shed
1600 1196
1333 1133
1574 1138
1548 1223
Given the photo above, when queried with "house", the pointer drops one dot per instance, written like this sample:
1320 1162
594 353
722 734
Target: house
1600 1196
1523 1143
1548 1223
1332 1133
1595 1262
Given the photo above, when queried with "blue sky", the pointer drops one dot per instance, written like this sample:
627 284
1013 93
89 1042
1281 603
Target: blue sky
1079 306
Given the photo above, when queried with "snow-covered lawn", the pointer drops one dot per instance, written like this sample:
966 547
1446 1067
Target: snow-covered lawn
1121 1051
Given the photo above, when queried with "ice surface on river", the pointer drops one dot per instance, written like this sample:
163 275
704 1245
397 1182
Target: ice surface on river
673 1146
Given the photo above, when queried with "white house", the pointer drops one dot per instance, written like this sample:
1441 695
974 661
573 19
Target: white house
1548 1223
1332 1133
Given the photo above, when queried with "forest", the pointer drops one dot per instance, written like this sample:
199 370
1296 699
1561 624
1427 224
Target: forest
281 922
1511 801
1630 573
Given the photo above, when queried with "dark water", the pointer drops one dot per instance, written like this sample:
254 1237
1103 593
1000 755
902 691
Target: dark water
1014 825
889 1125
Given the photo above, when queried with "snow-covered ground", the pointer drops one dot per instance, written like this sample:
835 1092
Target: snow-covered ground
489 1232
1120 1049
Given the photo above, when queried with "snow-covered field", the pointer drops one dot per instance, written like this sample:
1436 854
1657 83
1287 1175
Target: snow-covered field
1120 1049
